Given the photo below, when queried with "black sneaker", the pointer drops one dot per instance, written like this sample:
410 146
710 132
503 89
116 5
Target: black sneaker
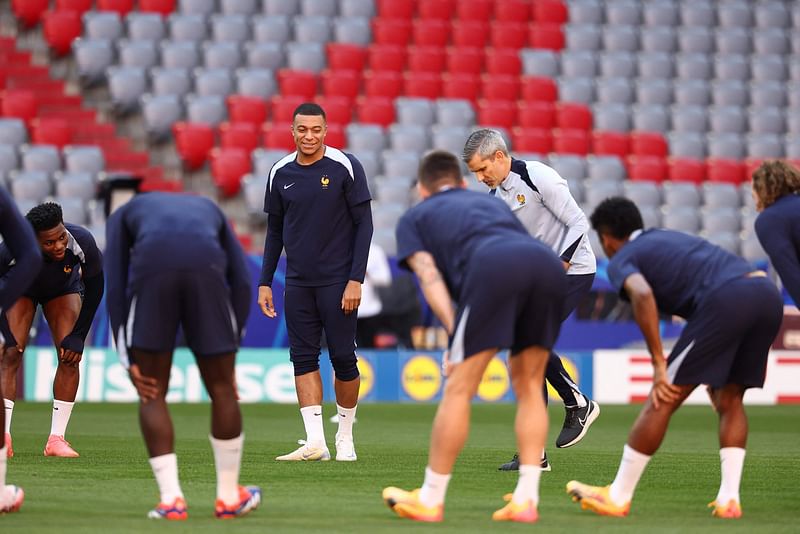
513 465
576 423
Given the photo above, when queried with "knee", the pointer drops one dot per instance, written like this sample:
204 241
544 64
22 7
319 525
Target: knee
304 364
11 358
344 367
726 402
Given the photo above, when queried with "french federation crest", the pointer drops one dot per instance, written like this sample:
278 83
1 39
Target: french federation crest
325 181
521 199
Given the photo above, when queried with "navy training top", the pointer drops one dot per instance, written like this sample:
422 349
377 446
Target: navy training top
20 246
778 230
682 269
321 214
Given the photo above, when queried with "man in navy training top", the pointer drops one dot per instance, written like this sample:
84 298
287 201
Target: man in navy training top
69 288
724 344
776 189
172 260
318 207
20 243
541 200
469 248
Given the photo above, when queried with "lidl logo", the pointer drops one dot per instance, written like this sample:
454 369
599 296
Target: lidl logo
421 378
495 381
367 377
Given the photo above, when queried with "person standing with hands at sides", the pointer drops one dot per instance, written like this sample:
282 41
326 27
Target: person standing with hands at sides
776 190
724 344
318 207
20 243
469 248
172 260
69 288
541 200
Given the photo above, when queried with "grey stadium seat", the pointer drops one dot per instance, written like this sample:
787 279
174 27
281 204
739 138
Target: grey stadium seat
141 54
768 68
207 109
325 8
392 190
617 64
222 55
385 238
370 160
368 137
9 160
642 193
771 15
751 248
179 54
408 137
726 240
239 7
454 112
92 57
415 111
208 82
793 94
582 37
650 118
73 209
791 147
624 12
651 216
691 92
256 82
766 120
84 158
80 185
308 56
187 27
12 131
160 112
605 168
386 215
720 195
695 40
445 136
170 81
578 64
29 185
145 26
354 30
767 94
199 7
680 218
621 38
734 15
570 167
730 93
45 158
102 25
693 66
254 188
725 145
654 92
659 39
732 41
764 146
265 55
400 162
654 65
126 86
585 12
576 90
770 41
356 8
271 29
264 159
731 67
612 117
699 14
614 91
687 145
689 118
720 219
539 62
660 14
724 119
793 122
595 191
281 7
312 29
230 28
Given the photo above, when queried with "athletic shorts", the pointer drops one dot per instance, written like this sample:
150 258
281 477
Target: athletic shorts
727 339
578 286
73 285
196 300
309 311
512 297
6 337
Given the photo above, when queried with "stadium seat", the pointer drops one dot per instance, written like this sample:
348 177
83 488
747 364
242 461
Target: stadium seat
720 195
416 111
126 86
396 9
160 111
771 15
278 135
650 92
610 143
162 7
338 110
44 158
306 56
651 168
535 88
617 64
576 90
502 61
469 33
512 10
356 8
140 54
659 39
614 91
391 31
92 57
243 135
695 40
213 82
691 93
767 94
654 65
221 55
648 144
651 118
449 137
79 185
497 113
534 140
297 83
9 161
283 107
725 145
263 160
352 30
281 7
474 10
271 28
265 55
545 36
346 56
729 93
430 32
543 63
595 191
426 59
19 104
690 145
536 114
384 84
571 141
200 7
29 12
732 41
768 120
228 166
725 170
643 192
208 109
503 34
461 87
12 131
60 29
693 66
387 57
341 83
29 185
179 54
187 27
454 112
248 109
570 167
501 87
366 138
375 110
571 115
681 218
578 64
764 145
233 28
422 85
399 163
120 6
84 158
170 81
435 9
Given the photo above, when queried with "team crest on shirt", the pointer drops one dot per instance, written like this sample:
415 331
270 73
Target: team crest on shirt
67 269
521 199
325 181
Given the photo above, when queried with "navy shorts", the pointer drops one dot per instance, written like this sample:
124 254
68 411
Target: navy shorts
578 286
197 300
6 337
512 297
309 310
73 285
727 339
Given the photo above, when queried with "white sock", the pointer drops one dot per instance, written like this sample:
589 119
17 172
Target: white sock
434 488
3 465
9 406
227 459
527 485
165 469
312 419
731 463
346 418
62 410
630 471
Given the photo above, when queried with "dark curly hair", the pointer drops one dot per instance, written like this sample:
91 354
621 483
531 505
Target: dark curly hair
774 179
617 216
45 216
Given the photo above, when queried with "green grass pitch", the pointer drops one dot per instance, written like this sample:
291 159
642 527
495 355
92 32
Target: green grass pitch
110 488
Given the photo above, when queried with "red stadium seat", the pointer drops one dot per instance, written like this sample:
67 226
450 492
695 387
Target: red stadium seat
611 143
435 9
686 170
508 34
430 32
471 33
534 140
193 141
497 113
536 114
297 83
391 31
463 60
29 12
649 168
279 135
422 85
120 6
725 170
387 57
550 11
574 116
346 56
51 131
474 9
511 10
571 141
338 110
649 144
61 28
283 107
228 166
79 6
461 86
546 36
539 88
500 88
426 59
384 84
242 135
19 104
502 61
344 83
396 9
163 7
335 136
376 110
243 108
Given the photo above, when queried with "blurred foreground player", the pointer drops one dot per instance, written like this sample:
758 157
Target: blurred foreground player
776 189
171 261
470 248
69 288
724 343
20 242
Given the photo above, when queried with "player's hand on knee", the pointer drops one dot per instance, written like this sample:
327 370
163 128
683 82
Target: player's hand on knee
69 357
351 299
663 391
265 301
146 386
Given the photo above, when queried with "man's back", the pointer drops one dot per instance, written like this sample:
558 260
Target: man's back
778 229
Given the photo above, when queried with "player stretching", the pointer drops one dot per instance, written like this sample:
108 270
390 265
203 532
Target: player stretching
19 241
319 209
469 247
541 200
69 288
724 343
172 260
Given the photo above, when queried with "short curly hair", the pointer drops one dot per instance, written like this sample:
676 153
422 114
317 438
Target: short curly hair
774 179
45 216
617 216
